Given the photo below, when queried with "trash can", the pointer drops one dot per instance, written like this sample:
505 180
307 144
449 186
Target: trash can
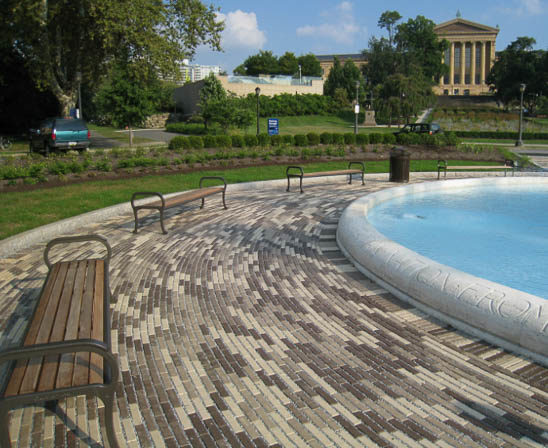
399 165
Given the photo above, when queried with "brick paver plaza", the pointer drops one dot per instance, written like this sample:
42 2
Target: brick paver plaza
248 327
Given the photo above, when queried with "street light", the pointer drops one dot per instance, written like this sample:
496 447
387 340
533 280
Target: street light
356 109
521 90
300 76
257 93
79 81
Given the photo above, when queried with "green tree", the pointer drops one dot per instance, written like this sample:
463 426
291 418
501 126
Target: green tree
382 61
58 39
310 66
126 99
388 20
263 63
344 77
420 47
229 112
518 64
288 64
211 92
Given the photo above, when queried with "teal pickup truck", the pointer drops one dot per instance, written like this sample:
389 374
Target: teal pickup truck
63 134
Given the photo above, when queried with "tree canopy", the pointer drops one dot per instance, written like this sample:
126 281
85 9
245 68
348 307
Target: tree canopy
58 39
266 63
520 64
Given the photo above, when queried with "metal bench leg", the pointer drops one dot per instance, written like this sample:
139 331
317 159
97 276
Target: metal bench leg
203 202
4 427
224 203
350 179
287 184
136 220
162 221
108 399
301 184
363 178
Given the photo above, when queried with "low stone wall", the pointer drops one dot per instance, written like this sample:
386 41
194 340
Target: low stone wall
158 121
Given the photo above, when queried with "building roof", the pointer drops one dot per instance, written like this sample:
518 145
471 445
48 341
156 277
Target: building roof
460 26
341 57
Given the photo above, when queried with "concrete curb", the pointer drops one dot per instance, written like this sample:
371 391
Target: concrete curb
503 315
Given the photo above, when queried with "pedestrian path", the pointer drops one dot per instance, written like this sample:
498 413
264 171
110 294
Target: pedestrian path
248 327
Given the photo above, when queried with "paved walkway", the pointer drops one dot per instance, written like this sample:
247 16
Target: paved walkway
247 327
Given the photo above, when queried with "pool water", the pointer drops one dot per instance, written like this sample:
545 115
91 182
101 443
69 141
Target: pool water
499 233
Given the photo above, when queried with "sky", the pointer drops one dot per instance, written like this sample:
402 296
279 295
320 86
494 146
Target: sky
341 27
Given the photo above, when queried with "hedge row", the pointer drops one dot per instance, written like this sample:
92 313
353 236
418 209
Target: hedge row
325 138
507 135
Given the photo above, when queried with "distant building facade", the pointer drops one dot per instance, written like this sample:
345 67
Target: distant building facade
195 72
470 57
328 60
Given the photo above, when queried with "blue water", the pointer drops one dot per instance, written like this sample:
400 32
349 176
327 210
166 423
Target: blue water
497 233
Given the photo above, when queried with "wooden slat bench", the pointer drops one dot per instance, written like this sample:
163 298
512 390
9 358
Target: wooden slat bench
66 350
298 172
179 199
442 166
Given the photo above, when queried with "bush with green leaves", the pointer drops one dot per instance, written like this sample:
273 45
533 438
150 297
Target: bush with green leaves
238 141
300 140
375 138
313 138
362 139
326 138
179 142
103 165
224 141
196 142
288 139
263 139
276 140
349 138
251 140
338 139
210 141
389 138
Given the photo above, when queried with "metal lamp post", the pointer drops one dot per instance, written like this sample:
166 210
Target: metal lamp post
257 93
521 90
356 109
79 81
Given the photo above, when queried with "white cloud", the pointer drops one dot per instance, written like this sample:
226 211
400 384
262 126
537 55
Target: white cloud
342 28
241 30
526 8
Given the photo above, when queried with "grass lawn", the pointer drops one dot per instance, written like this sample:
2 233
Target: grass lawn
26 210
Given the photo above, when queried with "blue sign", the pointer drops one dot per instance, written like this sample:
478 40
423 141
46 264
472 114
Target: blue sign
273 126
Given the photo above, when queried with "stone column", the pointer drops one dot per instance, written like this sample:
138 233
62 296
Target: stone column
462 63
473 64
452 65
482 64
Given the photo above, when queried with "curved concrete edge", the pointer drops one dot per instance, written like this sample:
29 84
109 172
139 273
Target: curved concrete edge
43 234
502 315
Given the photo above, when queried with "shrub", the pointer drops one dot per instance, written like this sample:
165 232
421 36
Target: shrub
251 140
288 140
59 167
375 138
276 140
263 139
313 138
362 139
349 138
326 138
187 128
103 165
389 138
338 139
210 141
179 142
300 140
224 141
196 142
238 141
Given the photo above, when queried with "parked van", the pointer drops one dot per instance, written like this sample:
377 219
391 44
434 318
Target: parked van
60 134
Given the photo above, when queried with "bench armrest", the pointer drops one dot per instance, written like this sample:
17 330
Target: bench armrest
292 167
361 164
54 348
509 163
213 178
442 163
147 193
76 239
